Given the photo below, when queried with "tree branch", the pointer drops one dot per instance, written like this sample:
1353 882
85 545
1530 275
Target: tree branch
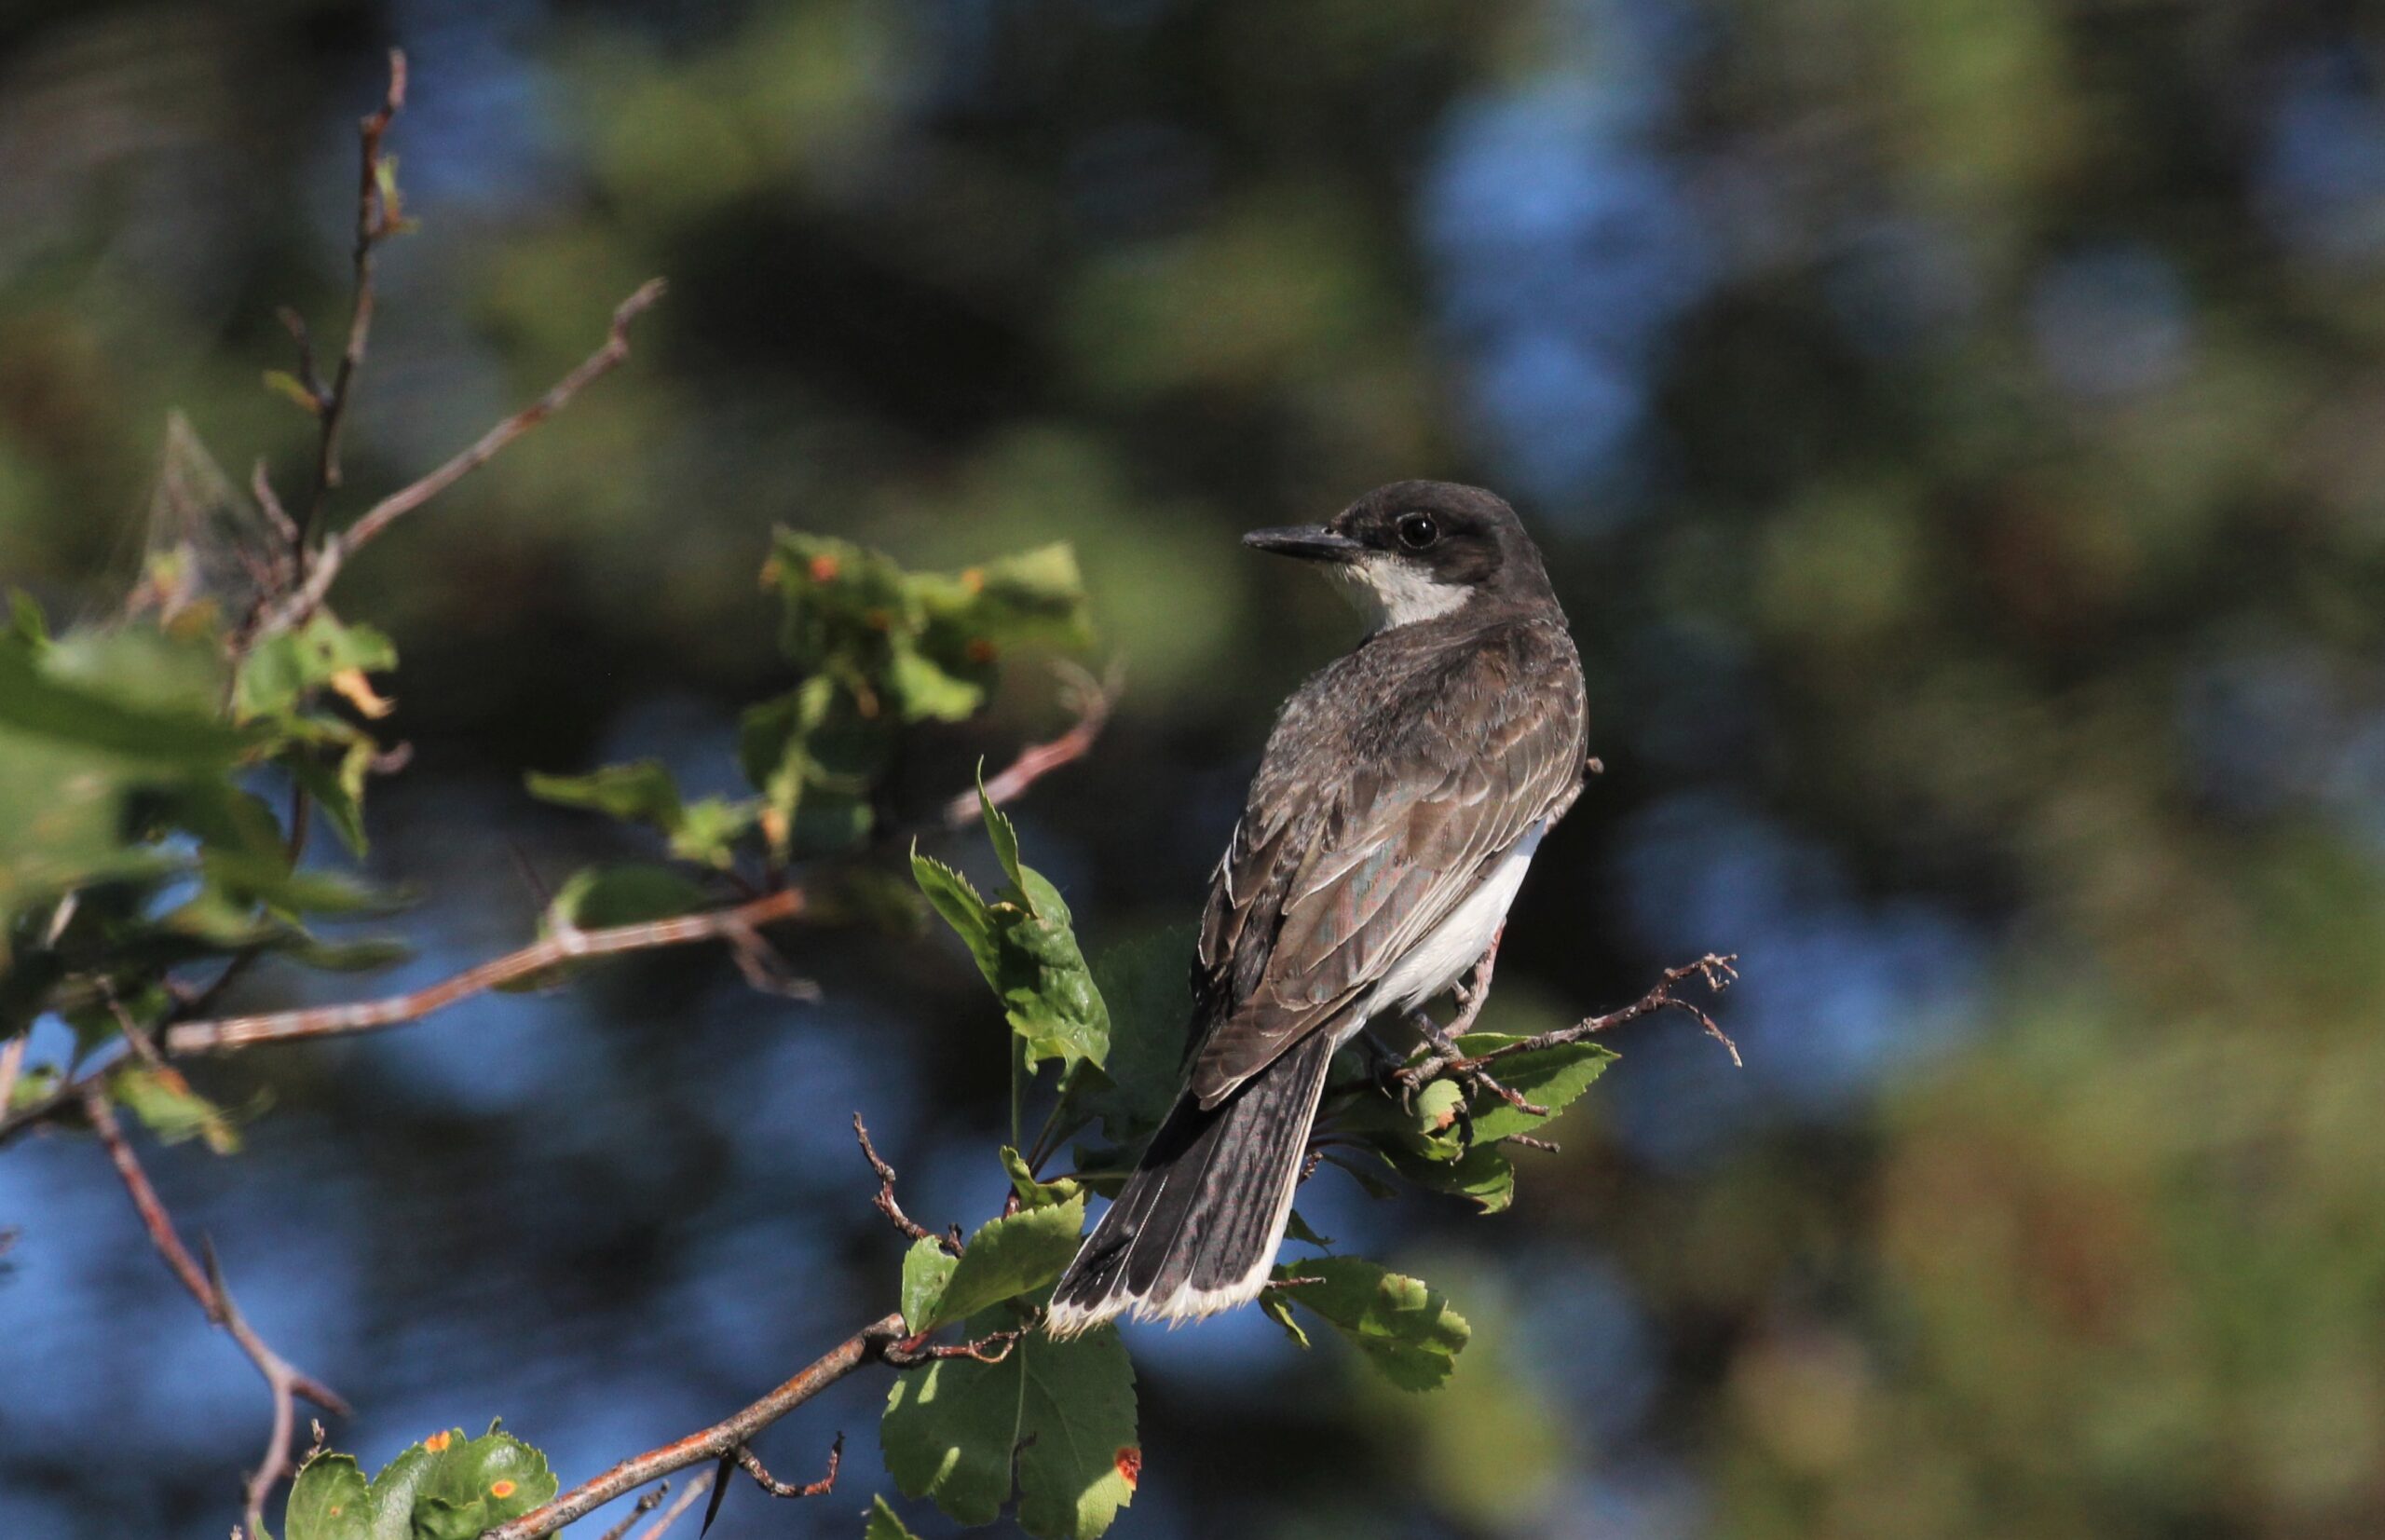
234 1033
376 220
723 1439
1717 970
338 548
735 924
206 1285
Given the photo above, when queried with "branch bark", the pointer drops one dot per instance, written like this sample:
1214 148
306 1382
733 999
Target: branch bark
206 1285
235 1033
337 548
722 1439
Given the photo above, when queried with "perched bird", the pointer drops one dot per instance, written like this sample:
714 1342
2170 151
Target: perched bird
1400 798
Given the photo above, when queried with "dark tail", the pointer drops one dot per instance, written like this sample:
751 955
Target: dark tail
1195 1229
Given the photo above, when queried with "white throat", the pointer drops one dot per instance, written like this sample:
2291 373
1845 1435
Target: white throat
1391 592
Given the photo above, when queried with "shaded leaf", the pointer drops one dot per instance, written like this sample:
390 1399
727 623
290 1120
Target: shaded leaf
166 1105
927 1267
1554 1078
1400 1326
642 792
1146 989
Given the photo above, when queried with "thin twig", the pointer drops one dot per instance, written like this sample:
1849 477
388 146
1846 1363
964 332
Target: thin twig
991 1348
638 1510
13 1060
864 1347
231 1033
687 1500
206 1285
743 1458
885 1203
337 548
375 222
1090 698
1717 970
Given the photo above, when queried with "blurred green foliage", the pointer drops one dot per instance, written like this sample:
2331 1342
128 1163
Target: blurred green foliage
2055 620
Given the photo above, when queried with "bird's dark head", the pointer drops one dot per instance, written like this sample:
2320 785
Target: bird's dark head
1415 550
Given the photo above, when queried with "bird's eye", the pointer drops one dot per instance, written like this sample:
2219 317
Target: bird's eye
1417 531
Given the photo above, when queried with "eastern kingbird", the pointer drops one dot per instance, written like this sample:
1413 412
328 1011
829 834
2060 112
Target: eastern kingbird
1400 798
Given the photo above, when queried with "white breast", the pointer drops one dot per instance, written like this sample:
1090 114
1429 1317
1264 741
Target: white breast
1458 941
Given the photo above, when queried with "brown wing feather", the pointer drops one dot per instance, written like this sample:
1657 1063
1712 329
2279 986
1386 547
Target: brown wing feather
1366 828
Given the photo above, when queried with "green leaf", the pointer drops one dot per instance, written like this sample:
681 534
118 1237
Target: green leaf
132 694
927 1268
1484 1174
166 1105
1026 950
328 1501
642 793
1404 1328
1033 1193
1553 1077
474 1484
884 1524
1008 1257
281 670
1275 1305
710 827
1298 1230
1002 833
1146 989
1061 1414
597 898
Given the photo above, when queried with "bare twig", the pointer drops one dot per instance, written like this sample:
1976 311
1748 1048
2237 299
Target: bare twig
744 1457
885 1203
687 1500
206 1285
376 220
1449 1057
12 1061
864 1347
1718 971
231 1033
639 1509
1090 698
991 1348
337 548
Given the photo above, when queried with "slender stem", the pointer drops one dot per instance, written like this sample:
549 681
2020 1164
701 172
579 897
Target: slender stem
722 1439
231 1033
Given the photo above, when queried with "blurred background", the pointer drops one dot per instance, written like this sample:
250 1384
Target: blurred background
1957 429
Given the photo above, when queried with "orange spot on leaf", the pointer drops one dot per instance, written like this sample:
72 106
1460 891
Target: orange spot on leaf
974 580
825 568
980 651
500 1489
1130 1463
436 1443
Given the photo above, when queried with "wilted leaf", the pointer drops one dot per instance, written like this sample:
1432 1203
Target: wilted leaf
1404 1328
1062 1413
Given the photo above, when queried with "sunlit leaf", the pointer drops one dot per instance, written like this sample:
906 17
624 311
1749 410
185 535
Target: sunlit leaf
1404 1328
1061 1414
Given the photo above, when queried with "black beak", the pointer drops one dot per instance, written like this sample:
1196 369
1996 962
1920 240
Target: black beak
1310 543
